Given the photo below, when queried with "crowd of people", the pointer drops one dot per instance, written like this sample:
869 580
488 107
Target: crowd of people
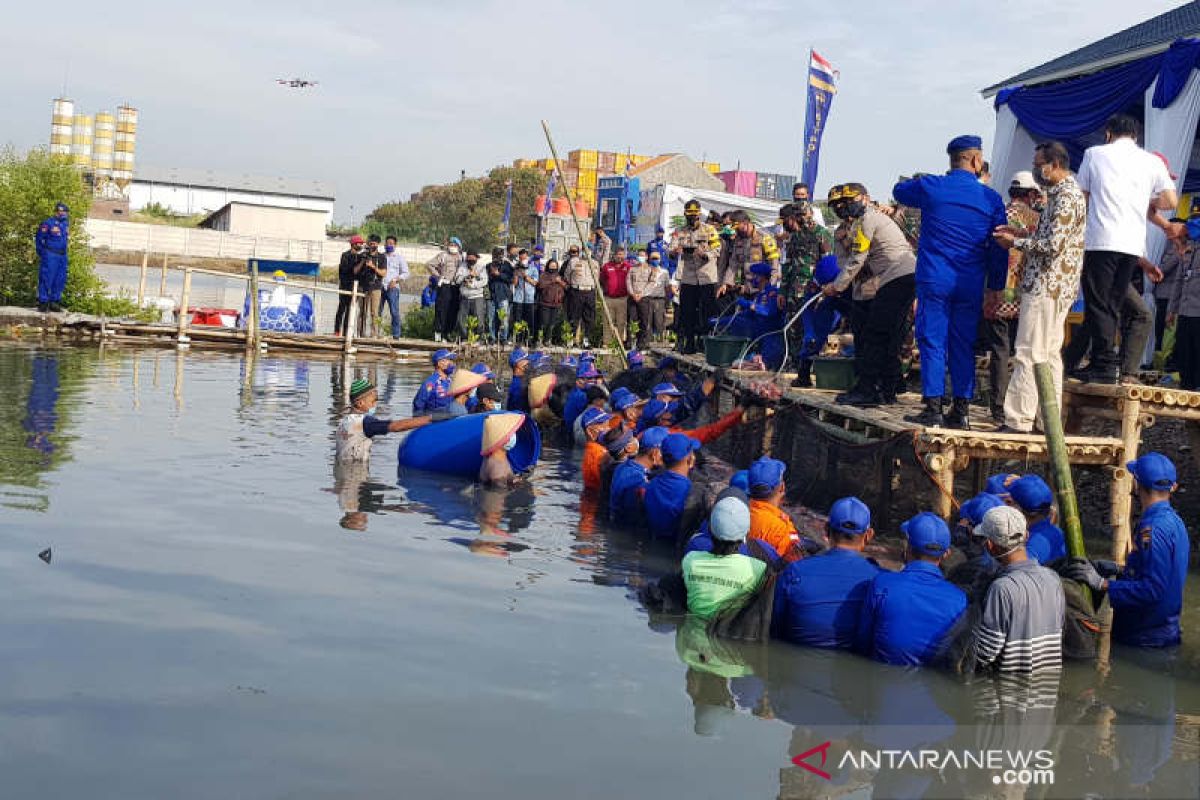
996 590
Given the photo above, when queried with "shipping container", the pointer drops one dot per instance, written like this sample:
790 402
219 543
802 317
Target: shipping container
712 166
784 184
619 164
582 159
546 164
586 179
606 162
765 186
739 181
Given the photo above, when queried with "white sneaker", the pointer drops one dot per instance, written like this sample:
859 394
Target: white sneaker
437 337
586 344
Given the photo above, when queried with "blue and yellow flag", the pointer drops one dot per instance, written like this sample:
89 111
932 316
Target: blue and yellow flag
822 86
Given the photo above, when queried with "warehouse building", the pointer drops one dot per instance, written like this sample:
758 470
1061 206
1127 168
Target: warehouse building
278 222
193 191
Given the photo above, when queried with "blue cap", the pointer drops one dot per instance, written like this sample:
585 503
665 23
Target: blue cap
443 353
741 480
660 229
676 447
729 520
1031 493
998 484
826 270
61 207
484 370
653 410
1154 471
569 362
965 142
594 416
456 240
653 437
974 509
623 400
666 388
849 515
669 362
635 359
927 534
761 268
587 371
517 356
765 475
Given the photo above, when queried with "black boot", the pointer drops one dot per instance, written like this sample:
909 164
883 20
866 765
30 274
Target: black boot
931 417
861 396
803 378
959 416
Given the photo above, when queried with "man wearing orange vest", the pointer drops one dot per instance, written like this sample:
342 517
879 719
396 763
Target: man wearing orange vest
768 522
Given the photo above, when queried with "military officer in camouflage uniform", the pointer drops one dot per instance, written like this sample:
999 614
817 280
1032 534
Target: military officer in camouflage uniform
804 243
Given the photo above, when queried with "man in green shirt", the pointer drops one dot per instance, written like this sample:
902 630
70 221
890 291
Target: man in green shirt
724 578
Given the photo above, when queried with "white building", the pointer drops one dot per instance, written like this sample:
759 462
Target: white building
195 191
257 219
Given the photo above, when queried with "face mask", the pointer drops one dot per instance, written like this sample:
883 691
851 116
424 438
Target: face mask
511 443
641 259
655 262
372 409
453 250
691 218
356 247
391 248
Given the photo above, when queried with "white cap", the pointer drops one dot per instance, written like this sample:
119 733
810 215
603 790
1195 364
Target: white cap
1003 526
1023 180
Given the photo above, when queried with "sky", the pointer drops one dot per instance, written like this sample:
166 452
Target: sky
413 92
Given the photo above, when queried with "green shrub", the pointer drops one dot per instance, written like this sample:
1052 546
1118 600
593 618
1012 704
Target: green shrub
418 323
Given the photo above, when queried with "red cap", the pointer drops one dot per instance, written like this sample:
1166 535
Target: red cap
356 239
1166 164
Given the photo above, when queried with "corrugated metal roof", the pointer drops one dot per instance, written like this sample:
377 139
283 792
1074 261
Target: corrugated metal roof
208 179
654 162
1142 39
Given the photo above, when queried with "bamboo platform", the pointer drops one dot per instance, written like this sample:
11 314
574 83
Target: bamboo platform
945 453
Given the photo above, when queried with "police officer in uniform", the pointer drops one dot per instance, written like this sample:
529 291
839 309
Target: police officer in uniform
1147 595
875 246
696 246
51 242
748 246
955 256
434 393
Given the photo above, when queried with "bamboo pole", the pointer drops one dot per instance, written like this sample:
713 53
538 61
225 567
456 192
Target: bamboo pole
584 248
1060 464
351 321
162 280
181 335
142 278
252 323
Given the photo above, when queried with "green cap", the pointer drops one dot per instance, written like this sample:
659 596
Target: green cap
359 388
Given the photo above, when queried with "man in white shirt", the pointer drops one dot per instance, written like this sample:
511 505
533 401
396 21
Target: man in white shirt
1125 186
397 270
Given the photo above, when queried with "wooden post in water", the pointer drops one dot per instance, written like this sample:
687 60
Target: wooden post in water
182 336
162 280
351 321
1060 464
142 278
252 325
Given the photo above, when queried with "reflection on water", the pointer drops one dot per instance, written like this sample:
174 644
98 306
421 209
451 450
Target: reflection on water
237 615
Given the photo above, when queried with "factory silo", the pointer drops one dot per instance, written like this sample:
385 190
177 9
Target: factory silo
123 150
102 150
81 141
61 123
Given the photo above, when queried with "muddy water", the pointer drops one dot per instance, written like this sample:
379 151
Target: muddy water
225 614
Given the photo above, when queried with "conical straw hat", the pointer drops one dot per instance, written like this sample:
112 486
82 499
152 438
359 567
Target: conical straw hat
497 428
540 388
464 380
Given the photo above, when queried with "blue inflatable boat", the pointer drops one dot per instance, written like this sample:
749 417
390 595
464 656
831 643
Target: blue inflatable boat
455 446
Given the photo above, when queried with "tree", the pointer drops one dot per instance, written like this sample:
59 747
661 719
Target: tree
470 209
30 185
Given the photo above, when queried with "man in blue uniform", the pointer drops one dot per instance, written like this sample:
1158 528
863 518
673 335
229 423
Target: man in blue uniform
818 600
1033 497
1147 595
955 255
907 614
51 245
671 509
999 484
587 375
760 315
434 393
518 395
660 245
631 477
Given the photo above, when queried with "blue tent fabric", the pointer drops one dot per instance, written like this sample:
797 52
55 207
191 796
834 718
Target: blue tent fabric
1075 107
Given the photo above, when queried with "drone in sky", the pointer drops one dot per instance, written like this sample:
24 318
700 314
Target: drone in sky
296 83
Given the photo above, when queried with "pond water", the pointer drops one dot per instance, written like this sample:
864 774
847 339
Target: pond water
225 614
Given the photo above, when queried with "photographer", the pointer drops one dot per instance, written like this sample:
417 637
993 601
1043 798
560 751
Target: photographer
349 269
374 267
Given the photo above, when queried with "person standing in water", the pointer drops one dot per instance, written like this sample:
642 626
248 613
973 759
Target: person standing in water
360 426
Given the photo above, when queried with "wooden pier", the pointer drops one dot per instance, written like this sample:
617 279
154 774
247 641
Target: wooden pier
954 463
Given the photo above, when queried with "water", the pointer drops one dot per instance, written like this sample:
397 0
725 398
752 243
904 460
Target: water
225 615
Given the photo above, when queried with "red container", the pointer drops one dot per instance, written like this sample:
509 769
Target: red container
740 182
539 204
561 205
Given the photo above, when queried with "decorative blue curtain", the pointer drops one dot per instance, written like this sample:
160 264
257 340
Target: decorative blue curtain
1075 107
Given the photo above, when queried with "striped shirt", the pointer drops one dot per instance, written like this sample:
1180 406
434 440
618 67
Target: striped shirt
1021 626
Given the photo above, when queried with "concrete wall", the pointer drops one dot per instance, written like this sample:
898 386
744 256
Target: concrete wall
247 219
205 200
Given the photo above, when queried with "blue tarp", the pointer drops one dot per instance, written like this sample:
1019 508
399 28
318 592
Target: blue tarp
266 267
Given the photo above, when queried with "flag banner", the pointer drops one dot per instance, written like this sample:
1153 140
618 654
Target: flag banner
549 193
507 215
822 86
